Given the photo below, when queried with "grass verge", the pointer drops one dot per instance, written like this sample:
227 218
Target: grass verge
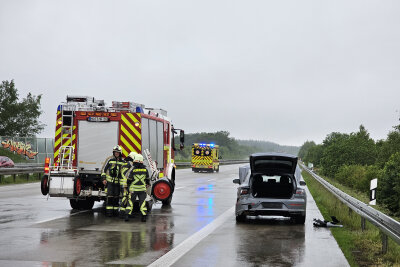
19 179
361 248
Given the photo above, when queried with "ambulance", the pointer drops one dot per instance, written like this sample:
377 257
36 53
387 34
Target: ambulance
205 157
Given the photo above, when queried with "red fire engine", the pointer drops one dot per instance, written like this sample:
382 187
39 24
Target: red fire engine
86 132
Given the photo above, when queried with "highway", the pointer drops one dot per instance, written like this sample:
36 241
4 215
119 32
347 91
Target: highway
198 229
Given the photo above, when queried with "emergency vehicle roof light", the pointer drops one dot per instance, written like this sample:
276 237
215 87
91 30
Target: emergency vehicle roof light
211 145
139 110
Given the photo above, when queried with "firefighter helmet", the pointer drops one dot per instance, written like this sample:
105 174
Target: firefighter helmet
132 155
117 149
138 158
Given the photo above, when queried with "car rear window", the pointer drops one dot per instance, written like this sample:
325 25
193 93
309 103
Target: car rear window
265 163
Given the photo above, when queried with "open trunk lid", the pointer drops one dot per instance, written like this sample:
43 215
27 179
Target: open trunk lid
273 162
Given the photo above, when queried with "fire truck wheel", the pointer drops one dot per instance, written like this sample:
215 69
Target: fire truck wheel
77 186
87 204
74 204
44 185
167 202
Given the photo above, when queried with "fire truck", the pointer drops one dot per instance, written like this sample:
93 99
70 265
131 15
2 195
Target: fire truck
205 157
87 130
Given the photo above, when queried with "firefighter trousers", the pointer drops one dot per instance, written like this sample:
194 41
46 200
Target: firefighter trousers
142 202
125 201
112 203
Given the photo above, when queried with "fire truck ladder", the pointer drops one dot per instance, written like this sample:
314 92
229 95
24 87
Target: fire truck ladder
66 154
67 151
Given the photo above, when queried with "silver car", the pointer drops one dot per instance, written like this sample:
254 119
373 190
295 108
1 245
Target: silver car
271 185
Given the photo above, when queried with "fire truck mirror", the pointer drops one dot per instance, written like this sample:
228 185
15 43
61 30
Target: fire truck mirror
182 136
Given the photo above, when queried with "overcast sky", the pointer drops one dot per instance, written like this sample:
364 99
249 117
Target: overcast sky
282 71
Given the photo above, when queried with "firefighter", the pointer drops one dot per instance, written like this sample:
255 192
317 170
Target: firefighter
112 174
124 183
138 178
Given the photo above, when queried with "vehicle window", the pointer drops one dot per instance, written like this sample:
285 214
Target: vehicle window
274 178
265 163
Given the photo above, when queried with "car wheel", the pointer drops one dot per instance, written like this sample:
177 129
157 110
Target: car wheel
240 218
300 219
44 185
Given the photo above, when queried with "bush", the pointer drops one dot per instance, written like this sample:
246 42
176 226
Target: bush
357 176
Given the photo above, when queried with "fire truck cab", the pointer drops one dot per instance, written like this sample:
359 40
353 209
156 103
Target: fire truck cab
205 157
87 130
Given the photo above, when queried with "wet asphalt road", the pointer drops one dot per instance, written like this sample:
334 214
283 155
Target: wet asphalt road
198 229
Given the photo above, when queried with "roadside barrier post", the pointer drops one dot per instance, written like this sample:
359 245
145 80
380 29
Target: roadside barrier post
384 243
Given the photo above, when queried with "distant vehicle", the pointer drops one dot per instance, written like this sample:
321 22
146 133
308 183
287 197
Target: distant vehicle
6 162
205 157
271 185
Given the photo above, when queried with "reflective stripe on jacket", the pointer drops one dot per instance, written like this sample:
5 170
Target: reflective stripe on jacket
112 171
139 177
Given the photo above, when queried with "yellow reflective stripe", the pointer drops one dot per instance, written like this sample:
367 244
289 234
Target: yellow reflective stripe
109 207
125 142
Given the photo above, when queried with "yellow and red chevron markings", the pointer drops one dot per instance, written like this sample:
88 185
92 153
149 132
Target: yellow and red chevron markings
63 139
130 133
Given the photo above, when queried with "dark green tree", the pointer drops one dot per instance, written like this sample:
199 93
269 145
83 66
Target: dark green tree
305 148
389 184
18 118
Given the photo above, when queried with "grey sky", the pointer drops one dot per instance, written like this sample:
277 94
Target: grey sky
282 71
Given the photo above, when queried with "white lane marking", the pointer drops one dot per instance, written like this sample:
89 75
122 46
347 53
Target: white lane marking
176 253
179 187
60 217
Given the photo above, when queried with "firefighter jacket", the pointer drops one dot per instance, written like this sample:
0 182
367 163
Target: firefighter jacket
138 177
126 169
112 171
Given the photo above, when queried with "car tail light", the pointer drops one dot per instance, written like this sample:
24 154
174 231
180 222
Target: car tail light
300 192
244 191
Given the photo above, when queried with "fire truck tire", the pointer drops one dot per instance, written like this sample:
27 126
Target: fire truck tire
167 202
82 204
44 185
77 186
74 204
87 204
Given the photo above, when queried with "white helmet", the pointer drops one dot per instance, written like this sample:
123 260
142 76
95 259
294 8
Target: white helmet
138 158
132 155
117 149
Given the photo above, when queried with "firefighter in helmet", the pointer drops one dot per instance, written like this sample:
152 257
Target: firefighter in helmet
112 176
124 183
138 180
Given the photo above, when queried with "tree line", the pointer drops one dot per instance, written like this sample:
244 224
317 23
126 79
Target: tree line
230 148
354 159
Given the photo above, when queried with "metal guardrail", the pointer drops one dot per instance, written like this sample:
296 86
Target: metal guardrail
222 162
19 170
387 225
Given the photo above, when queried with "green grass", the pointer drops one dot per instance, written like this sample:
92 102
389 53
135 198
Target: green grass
361 248
19 179
15 157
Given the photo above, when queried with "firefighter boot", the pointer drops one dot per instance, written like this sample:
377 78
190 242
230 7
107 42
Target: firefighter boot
144 218
121 214
127 217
